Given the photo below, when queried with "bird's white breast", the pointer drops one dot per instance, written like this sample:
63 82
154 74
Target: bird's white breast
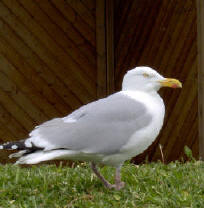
141 139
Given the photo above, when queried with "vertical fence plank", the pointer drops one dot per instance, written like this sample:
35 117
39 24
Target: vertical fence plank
110 46
200 27
101 48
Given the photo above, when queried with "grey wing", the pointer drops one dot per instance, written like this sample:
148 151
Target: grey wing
103 126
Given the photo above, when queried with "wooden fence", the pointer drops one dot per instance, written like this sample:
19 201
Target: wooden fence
56 55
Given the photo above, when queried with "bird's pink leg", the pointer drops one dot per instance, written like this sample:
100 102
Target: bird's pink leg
105 182
118 183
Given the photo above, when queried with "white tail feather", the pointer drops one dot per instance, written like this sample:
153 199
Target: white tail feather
40 156
18 154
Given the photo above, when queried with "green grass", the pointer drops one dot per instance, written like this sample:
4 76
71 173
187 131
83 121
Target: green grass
149 185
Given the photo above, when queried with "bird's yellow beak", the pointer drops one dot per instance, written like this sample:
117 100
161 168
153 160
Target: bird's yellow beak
168 82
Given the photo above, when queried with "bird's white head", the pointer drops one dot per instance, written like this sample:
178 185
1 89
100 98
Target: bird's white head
147 79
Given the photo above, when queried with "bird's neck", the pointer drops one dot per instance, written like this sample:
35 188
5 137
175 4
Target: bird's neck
152 93
144 96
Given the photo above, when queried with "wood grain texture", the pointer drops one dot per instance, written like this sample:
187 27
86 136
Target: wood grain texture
101 49
200 42
40 41
48 62
55 55
163 35
110 46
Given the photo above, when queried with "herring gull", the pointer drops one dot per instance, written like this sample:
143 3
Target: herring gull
108 131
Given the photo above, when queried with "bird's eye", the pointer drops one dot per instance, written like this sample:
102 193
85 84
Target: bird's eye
146 75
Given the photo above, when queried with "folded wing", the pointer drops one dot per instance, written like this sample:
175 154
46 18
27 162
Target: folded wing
104 126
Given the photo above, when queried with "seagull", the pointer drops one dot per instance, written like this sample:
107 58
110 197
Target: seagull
108 131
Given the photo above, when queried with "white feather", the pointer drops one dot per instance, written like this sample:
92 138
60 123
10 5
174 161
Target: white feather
69 119
143 138
37 139
14 147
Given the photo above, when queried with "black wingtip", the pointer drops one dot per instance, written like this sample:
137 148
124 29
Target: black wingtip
16 145
19 145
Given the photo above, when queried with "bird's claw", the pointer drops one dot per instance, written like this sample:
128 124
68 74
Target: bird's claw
117 186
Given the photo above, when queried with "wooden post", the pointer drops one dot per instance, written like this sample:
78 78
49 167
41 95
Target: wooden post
105 47
200 32
110 46
101 49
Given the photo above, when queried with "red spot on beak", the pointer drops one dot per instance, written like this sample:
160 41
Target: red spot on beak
175 86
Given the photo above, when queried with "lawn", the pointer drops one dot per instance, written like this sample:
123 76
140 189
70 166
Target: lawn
148 185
